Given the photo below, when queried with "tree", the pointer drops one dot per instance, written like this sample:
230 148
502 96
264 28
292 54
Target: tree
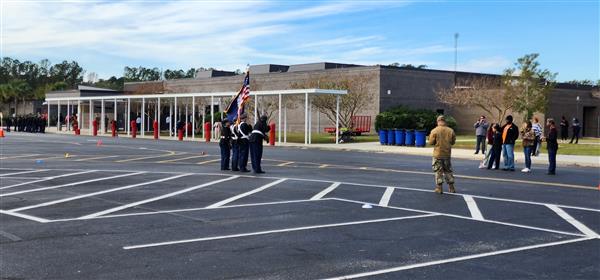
530 88
357 99
484 92
410 66
585 82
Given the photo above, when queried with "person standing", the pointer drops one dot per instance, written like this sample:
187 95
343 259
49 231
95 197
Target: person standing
244 130
496 149
510 134
225 145
576 129
537 132
442 138
481 127
528 137
235 148
564 129
490 141
552 146
256 143
138 122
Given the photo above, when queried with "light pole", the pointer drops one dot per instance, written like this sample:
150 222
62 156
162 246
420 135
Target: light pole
577 110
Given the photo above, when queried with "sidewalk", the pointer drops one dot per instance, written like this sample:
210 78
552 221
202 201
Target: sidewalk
542 159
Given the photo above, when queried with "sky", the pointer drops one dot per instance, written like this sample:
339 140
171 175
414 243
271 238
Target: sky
105 36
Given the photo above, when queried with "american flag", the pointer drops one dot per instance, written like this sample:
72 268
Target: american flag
244 93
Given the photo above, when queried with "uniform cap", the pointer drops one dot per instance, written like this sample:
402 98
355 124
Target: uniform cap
243 116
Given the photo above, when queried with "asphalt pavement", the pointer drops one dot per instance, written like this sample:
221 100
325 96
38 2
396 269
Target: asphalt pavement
80 207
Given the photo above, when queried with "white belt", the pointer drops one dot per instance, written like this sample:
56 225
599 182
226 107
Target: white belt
258 132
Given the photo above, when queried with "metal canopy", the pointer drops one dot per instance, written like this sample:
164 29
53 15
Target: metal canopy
204 94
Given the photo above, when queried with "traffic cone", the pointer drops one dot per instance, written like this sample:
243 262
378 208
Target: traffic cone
1 132
99 143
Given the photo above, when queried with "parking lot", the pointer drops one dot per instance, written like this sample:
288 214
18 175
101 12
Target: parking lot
76 208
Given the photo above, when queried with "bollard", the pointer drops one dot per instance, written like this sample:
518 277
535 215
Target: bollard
272 134
207 131
95 127
75 128
133 128
180 134
113 128
155 128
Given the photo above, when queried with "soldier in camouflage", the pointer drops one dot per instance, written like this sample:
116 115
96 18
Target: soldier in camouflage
442 138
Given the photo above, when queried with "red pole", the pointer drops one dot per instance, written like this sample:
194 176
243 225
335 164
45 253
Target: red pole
272 134
95 127
180 134
113 128
207 131
155 127
133 127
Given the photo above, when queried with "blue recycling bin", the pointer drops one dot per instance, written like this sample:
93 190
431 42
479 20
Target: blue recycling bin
400 134
420 138
409 140
383 136
391 137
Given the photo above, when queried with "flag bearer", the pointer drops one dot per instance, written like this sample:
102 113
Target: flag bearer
244 130
235 148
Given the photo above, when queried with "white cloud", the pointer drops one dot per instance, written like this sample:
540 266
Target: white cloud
494 64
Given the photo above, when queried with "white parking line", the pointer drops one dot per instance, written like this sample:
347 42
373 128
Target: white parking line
475 213
285 163
71 184
119 208
25 216
23 172
385 198
47 178
276 231
189 210
326 191
467 218
581 227
21 156
457 259
234 198
97 193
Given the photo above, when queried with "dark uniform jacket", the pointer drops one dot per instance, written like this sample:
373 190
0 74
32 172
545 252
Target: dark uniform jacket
244 130
260 132
225 137
552 140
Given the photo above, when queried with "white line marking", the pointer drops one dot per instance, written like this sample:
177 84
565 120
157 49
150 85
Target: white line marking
234 198
326 191
46 179
385 198
209 161
10 236
323 165
147 157
285 163
469 218
21 156
457 259
71 184
275 231
94 158
178 159
581 227
23 172
115 209
96 193
475 213
190 210
25 216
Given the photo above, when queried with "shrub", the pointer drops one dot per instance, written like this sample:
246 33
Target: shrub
405 118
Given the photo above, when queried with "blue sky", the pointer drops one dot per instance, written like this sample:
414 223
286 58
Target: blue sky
106 36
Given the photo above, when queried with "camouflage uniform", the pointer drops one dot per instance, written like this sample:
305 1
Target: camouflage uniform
443 171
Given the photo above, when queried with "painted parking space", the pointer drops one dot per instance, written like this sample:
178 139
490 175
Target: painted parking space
157 214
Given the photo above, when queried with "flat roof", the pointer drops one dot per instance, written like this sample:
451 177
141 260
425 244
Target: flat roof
311 91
